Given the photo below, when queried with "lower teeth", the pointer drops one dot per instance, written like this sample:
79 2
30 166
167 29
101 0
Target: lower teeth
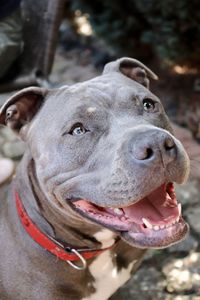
118 211
148 225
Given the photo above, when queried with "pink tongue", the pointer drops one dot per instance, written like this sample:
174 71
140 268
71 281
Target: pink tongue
142 209
152 209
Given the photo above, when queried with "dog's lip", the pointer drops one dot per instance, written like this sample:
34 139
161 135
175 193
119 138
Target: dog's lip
154 221
158 239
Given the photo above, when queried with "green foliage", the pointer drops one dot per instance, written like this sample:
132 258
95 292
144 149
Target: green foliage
169 29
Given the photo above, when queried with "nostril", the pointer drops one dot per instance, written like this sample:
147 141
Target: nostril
149 153
169 144
143 153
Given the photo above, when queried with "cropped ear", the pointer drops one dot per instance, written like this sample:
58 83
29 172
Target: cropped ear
131 68
22 107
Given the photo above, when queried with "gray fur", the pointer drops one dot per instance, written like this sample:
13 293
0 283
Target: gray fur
101 165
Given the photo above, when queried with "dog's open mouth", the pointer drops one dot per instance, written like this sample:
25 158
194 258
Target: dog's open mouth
152 222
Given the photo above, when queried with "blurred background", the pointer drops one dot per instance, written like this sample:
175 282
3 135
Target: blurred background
55 42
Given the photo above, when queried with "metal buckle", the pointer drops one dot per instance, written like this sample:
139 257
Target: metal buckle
82 259
68 249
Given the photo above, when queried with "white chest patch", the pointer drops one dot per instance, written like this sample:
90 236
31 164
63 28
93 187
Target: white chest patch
106 237
107 279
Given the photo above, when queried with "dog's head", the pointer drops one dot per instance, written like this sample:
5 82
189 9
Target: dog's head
105 148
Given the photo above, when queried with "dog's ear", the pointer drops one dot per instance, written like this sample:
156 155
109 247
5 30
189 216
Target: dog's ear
131 68
22 107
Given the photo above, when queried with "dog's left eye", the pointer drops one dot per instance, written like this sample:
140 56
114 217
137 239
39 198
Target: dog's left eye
148 105
77 129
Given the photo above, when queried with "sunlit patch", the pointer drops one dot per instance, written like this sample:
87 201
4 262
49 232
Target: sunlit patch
183 274
184 70
194 257
83 23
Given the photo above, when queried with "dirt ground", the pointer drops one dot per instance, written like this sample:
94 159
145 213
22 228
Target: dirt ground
168 274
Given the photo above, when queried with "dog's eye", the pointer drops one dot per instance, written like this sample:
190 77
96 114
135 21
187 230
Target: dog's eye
148 105
77 129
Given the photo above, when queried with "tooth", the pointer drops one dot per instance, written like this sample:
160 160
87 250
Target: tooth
168 197
179 209
118 211
172 205
147 223
156 227
162 226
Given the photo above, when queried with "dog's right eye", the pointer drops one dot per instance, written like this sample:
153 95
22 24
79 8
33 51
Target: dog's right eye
77 129
148 105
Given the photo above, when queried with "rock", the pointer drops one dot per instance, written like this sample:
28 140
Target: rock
6 169
189 193
192 148
76 70
144 285
193 217
190 243
8 134
183 275
14 150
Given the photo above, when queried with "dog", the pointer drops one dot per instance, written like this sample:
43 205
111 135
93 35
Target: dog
94 189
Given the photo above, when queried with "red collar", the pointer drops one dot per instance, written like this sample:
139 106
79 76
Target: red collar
50 244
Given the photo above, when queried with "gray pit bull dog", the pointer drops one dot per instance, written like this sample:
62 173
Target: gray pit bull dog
97 177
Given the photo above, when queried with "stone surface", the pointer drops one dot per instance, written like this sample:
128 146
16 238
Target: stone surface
140 286
192 147
183 275
14 149
76 70
193 217
188 194
8 134
190 243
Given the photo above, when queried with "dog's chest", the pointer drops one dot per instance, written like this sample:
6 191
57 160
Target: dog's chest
107 277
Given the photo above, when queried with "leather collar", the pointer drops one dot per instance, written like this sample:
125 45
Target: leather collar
52 245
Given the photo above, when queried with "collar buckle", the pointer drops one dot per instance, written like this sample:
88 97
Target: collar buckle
74 251
81 258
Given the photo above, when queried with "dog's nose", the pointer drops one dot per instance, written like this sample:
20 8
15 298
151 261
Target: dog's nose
152 144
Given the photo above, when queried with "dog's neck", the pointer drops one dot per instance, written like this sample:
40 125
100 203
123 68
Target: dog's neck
41 211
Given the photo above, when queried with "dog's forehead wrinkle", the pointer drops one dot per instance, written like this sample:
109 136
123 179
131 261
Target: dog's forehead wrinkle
92 91
96 94
129 92
86 113
104 88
